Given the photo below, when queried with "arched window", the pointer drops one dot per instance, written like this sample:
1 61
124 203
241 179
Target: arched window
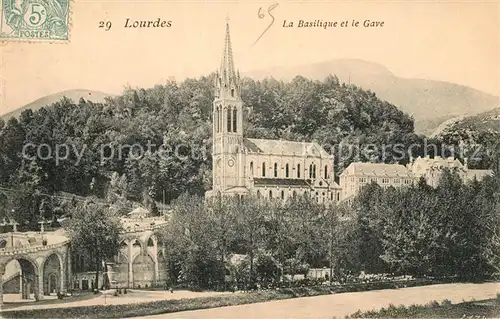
282 194
298 170
275 169
229 119
232 92
263 169
286 170
235 121
326 171
270 194
258 193
220 118
311 171
294 194
251 169
216 119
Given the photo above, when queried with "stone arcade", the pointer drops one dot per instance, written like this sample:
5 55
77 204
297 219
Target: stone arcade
34 264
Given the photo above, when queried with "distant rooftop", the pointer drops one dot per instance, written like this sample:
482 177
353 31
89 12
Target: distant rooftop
478 174
377 170
438 162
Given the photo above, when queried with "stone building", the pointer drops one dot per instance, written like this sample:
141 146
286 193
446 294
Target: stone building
141 262
432 168
265 168
33 265
359 174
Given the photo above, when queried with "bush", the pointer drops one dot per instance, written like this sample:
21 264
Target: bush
446 303
432 304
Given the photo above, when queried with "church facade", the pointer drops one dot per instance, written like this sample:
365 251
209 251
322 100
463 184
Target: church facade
265 168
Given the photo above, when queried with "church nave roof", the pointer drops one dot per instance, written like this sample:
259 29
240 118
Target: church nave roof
282 147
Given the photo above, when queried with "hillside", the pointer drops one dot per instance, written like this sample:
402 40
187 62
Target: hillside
74 95
430 102
477 136
486 122
444 125
329 112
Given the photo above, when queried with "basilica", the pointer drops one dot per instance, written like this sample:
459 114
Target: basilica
264 168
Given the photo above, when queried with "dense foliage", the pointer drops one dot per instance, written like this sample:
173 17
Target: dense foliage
274 239
448 231
443 231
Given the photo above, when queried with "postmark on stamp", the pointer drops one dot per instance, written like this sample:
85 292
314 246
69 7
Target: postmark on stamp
35 20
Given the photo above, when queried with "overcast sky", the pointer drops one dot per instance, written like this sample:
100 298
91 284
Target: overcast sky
449 41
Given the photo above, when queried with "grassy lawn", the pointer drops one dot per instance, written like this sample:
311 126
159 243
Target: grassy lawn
471 309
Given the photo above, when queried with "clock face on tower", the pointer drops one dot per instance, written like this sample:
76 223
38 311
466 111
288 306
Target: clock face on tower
230 163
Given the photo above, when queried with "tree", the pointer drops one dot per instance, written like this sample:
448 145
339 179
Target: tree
491 253
222 219
250 230
368 207
412 240
193 242
339 240
94 230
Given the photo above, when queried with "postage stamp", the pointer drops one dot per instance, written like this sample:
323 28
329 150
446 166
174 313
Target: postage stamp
35 20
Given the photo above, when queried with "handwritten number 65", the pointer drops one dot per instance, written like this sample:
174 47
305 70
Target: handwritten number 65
262 15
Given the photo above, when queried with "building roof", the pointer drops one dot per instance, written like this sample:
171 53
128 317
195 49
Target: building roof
377 170
139 211
281 182
282 147
438 162
479 174
227 71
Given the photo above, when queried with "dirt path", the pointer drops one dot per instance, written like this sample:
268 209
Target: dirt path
340 305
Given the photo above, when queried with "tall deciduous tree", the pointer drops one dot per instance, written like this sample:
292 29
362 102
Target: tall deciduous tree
94 230
250 214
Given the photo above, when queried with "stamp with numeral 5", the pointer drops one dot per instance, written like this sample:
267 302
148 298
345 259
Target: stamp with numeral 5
35 20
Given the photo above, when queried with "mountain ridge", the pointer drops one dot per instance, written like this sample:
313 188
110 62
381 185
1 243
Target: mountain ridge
75 95
426 100
429 102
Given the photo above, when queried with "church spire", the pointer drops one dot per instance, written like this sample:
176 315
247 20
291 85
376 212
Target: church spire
227 71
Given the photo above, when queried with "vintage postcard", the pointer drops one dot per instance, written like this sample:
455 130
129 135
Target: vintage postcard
249 159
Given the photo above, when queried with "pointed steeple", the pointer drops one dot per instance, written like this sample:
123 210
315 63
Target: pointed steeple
227 71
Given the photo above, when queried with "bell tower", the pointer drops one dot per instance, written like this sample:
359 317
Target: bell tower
227 155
